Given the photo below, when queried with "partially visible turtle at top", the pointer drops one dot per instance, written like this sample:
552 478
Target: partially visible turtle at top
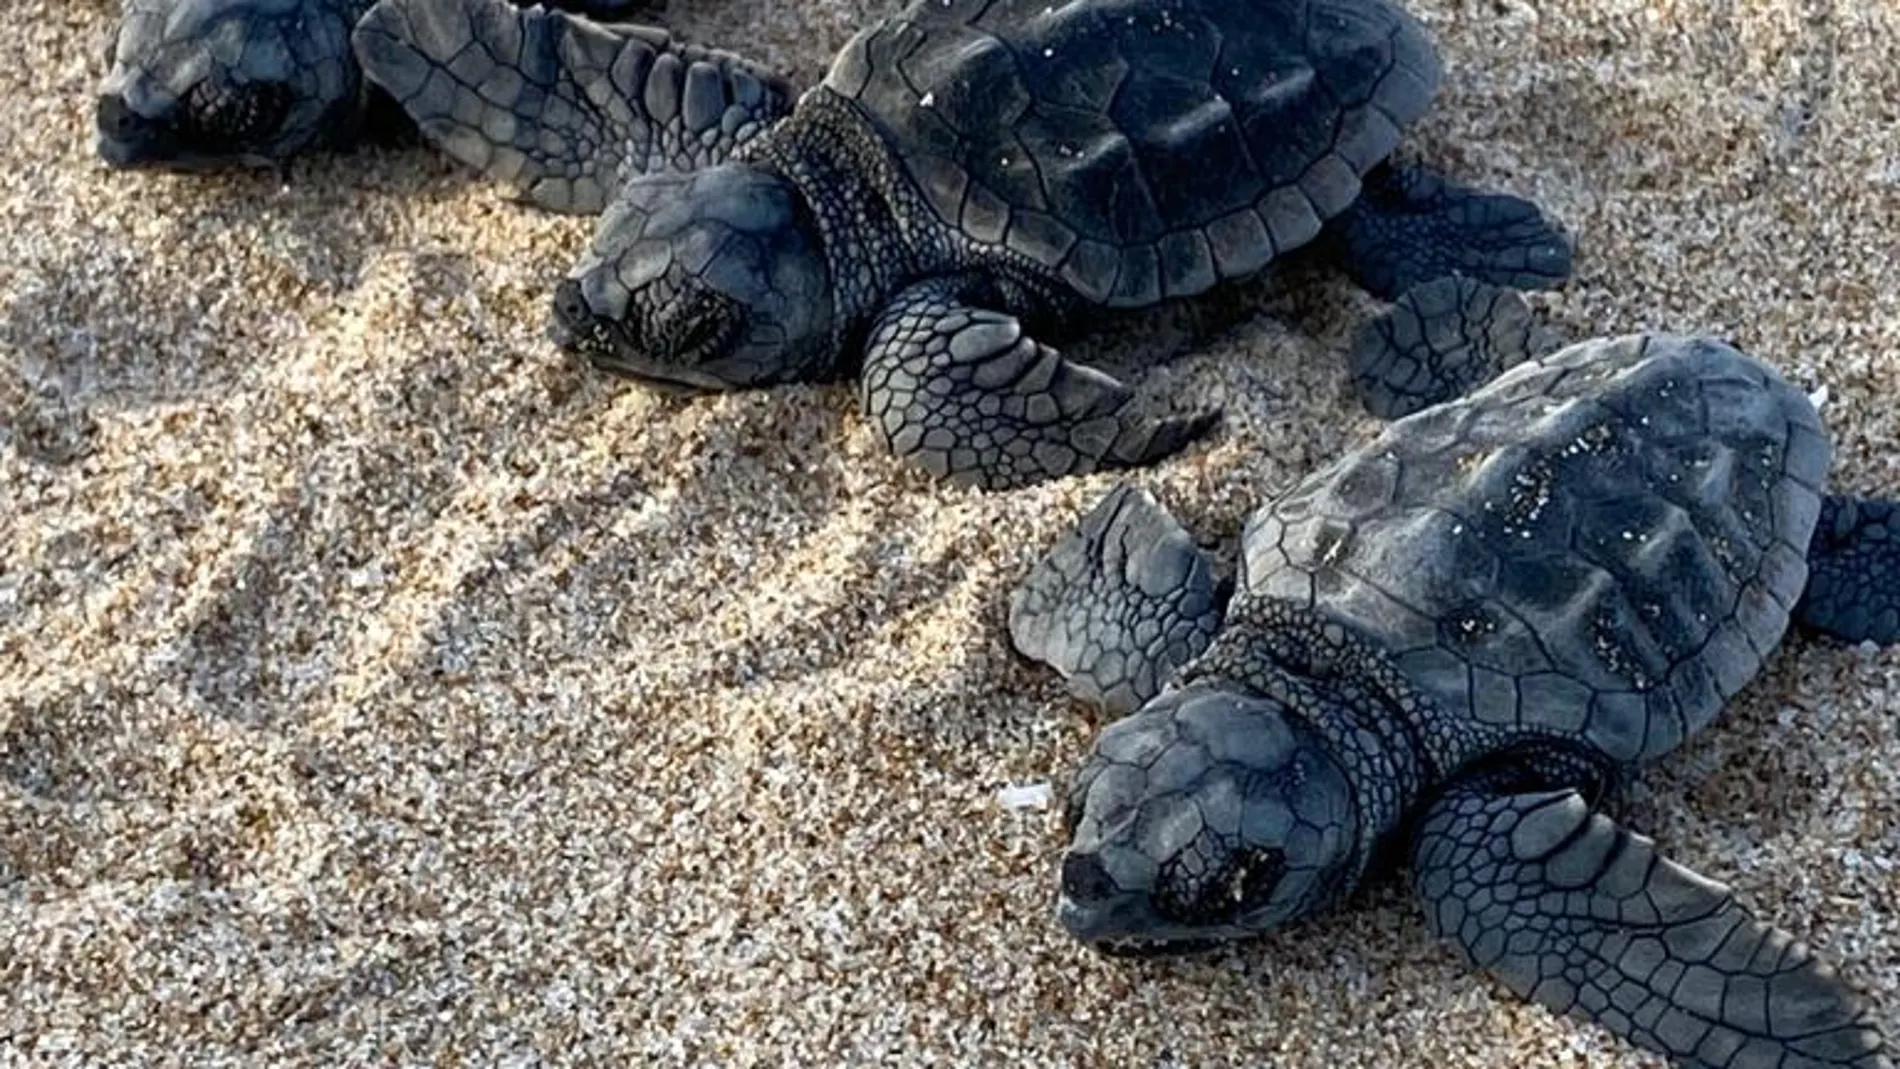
969 176
1447 647
196 84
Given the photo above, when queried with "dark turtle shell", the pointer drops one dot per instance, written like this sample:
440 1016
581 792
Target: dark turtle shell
1602 545
1141 149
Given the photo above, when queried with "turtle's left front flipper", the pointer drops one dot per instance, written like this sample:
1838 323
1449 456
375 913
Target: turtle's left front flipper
1572 911
963 390
1409 225
1853 590
564 108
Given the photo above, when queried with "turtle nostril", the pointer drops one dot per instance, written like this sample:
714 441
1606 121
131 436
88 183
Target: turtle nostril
1085 880
570 307
116 120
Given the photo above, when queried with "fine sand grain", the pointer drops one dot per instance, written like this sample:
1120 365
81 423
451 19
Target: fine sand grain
378 687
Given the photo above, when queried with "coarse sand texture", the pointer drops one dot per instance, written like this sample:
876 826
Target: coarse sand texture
380 687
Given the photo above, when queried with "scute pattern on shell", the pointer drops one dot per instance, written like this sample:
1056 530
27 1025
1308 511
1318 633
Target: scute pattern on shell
1530 583
1141 148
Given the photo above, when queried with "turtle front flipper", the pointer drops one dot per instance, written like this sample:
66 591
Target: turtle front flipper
963 391
1575 912
1410 225
1440 340
561 107
1853 590
1120 603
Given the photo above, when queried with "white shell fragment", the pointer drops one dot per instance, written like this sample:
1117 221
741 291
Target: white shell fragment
1025 796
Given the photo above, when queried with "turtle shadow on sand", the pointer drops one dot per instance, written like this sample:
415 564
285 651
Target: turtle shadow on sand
580 569
122 329
337 526
74 746
62 364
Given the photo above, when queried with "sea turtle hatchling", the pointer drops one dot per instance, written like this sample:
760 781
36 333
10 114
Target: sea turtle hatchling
199 84
969 175
1445 648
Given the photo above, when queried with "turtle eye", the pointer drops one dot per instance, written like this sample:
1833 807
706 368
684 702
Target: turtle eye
710 320
1251 878
1193 892
221 113
700 333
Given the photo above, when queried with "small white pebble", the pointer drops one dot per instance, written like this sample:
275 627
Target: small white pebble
1027 796
1819 397
927 99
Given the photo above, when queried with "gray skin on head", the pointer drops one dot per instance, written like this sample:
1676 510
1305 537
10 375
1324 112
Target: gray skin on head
1447 648
712 276
1207 816
970 174
200 83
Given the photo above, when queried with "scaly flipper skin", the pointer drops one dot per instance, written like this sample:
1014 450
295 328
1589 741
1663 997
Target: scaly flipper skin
964 392
204 84
1569 909
1120 603
1439 340
1853 590
1410 225
563 108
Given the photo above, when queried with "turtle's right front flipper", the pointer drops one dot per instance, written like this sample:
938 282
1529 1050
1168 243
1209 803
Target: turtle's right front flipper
1120 603
965 392
561 107
1575 912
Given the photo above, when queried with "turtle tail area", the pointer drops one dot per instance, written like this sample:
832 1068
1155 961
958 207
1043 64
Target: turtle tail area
1853 590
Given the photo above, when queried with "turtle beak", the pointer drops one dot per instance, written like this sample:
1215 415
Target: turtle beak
127 139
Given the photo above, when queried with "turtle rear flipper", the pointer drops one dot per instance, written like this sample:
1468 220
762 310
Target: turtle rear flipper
1569 909
1410 225
1120 603
965 392
1853 590
559 106
1441 339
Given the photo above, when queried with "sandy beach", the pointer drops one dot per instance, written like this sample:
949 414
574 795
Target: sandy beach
380 687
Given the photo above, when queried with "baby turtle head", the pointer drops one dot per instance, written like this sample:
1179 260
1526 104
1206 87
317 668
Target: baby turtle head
201 83
1206 816
709 280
